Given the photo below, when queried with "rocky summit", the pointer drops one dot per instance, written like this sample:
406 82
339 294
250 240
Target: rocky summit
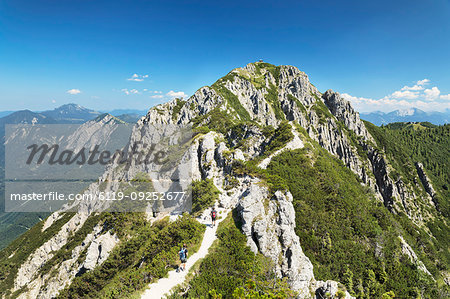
314 203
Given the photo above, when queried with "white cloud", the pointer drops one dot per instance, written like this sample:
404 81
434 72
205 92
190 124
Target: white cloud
157 96
130 91
406 94
386 104
423 82
176 94
137 78
74 91
432 94
418 86
407 97
415 87
53 101
355 100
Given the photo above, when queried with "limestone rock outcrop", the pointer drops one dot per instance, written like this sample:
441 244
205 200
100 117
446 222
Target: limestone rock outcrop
409 252
269 223
426 182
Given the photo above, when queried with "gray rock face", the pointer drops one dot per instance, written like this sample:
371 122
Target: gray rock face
375 171
384 182
255 142
269 225
253 99
99 250
343 111
49 284
27 272
409 252
202 102
395 194
333 136
426 182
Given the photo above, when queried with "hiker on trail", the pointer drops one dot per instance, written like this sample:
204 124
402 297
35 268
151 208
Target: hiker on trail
183 257
213 216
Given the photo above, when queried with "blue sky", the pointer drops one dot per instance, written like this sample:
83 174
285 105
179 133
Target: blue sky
92 52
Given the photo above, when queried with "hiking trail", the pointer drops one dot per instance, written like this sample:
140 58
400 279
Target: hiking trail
164 285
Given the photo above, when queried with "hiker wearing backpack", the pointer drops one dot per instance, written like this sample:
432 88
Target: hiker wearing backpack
183 253
213 216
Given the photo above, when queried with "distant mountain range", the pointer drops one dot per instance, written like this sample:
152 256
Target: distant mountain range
66 114
73 113
409 115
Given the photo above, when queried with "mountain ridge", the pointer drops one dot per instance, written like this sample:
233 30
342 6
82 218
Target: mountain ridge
407 115
71 113
64 114
291 212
